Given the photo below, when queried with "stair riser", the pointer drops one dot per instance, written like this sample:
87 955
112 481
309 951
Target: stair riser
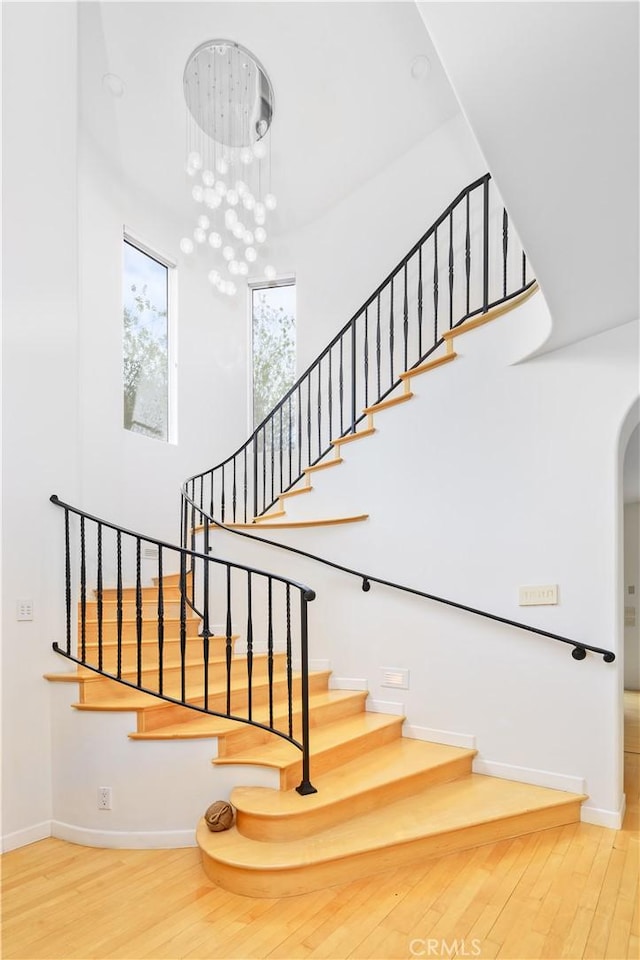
130 630
172 609
155 717
308 823
337 756
149 595
326 713
193 654
94 690
318 876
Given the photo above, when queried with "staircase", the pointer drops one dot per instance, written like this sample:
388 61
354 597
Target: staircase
210 648
382 800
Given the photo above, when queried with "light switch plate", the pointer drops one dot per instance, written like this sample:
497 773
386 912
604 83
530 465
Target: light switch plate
538 595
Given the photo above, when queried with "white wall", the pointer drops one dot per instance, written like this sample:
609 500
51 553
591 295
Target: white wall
40 384
498 474
631 596
342 257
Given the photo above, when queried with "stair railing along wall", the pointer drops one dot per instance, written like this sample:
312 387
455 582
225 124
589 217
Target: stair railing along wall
148 637
467 262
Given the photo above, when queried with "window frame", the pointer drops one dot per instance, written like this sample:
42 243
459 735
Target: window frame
139 243
285 280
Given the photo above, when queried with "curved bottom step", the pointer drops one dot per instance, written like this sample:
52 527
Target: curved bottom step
440 819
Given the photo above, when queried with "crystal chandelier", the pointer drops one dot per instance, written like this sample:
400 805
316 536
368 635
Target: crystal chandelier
230 107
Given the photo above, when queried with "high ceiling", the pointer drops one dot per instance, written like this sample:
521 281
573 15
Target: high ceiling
347 103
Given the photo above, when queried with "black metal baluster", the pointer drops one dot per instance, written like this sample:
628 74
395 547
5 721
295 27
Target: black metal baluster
100 597
234 491
330 395
524 269
467 257
222 494
201 493
67 578
289 662
299 431
119 601
138 613
366 357
281 488
405 325
83 593
289 435
451 270
309 419
273 453
319 407
378 349
420 303
183 624
264 468
505 249
270 646
255 475
341 387
206 632
485 248
305 787
354 374
435 285
211 501
392 332
228 639
249 648
245 486
160 621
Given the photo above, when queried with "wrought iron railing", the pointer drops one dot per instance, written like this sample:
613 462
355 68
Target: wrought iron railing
128 619
467 262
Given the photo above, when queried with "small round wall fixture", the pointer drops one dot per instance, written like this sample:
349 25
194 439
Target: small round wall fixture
230 107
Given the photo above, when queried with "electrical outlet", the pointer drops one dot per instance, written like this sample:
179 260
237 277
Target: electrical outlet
24 610
104 798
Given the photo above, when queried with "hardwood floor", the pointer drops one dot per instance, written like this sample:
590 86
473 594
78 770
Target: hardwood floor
566 892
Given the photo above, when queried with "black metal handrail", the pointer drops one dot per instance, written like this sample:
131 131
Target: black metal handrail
579 651
148 642
472 263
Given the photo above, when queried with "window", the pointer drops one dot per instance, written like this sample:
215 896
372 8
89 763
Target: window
273 345
146 325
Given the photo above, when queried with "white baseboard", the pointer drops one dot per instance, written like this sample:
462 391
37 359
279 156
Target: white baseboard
539 778
447 737
124 839
39 831
604 818
384 706
348 683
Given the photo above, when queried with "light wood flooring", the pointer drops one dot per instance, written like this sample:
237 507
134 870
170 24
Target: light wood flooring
566 892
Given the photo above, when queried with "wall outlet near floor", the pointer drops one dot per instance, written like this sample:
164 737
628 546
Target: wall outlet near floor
396 677
538 595
104 798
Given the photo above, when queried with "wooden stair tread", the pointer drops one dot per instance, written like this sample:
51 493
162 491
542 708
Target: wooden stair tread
428 365
350 437
492 314
390 402
291 524
441 809
323 465
377 768
281 754
265 517
294 493
208 726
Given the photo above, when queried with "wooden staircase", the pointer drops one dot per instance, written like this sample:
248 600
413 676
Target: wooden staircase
382 800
